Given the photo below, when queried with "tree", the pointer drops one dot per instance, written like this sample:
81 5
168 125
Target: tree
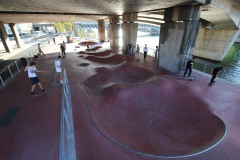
68 27
81 33
64 27
59 26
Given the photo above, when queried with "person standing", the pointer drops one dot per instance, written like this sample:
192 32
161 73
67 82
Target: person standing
189 67
87 44
145 50
54 41
40 50
58 68
137 52
214 74
64 48
156 53
31 69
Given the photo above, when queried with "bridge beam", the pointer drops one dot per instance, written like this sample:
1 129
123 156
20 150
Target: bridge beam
129 29
4 38
114 31
178 36
214 44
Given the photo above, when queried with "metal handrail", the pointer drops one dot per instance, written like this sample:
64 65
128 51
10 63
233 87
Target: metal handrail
207 67
28 56
8 68
67 140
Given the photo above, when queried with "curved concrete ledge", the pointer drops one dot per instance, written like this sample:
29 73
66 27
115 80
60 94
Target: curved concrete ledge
90 43
174 122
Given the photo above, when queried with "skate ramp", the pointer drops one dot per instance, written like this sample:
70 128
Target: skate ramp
150 115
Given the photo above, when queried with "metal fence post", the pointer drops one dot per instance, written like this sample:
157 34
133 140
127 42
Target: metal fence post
10 71
17 65
2 81
205 66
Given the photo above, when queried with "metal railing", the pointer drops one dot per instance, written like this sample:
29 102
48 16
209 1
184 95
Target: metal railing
9 71
67 141
227 74
14 67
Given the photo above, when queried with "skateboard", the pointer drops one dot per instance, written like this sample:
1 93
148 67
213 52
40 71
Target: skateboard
193 78
211 84
40 93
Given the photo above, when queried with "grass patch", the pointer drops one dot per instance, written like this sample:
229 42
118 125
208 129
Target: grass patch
230 55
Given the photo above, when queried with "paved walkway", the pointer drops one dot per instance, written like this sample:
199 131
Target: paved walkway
122 110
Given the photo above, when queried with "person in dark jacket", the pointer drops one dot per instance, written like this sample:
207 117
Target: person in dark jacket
214 73
189 67
63 49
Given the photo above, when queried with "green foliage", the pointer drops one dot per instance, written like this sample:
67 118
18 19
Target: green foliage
68 26
59 26
231 53
81 33
64 27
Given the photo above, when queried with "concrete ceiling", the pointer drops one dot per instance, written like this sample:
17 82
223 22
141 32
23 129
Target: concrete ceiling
218 18
30 11
19 11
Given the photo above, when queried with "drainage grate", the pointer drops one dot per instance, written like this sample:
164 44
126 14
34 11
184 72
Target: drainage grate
8 117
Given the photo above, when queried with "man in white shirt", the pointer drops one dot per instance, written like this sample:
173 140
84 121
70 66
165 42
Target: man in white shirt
31 69
58 68
145 50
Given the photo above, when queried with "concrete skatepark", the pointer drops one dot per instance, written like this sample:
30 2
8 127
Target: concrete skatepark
115 107
124 109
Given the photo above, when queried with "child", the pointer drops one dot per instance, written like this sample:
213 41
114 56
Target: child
31 69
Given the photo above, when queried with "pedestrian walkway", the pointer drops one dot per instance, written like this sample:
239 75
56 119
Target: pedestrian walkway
122 110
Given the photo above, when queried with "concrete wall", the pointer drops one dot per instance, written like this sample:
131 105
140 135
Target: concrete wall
214 44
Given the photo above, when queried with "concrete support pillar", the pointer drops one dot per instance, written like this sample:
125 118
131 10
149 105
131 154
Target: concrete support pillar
76 29
16 35
4 38
214 44
114 31
129 29
178 36
101 30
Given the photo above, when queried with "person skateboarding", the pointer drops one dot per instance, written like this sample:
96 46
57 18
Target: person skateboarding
189 67
215 71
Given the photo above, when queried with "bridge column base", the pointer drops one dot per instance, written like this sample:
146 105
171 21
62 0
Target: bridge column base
214 44
16 35
177 36
129 30
114 31
4 38
101 31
